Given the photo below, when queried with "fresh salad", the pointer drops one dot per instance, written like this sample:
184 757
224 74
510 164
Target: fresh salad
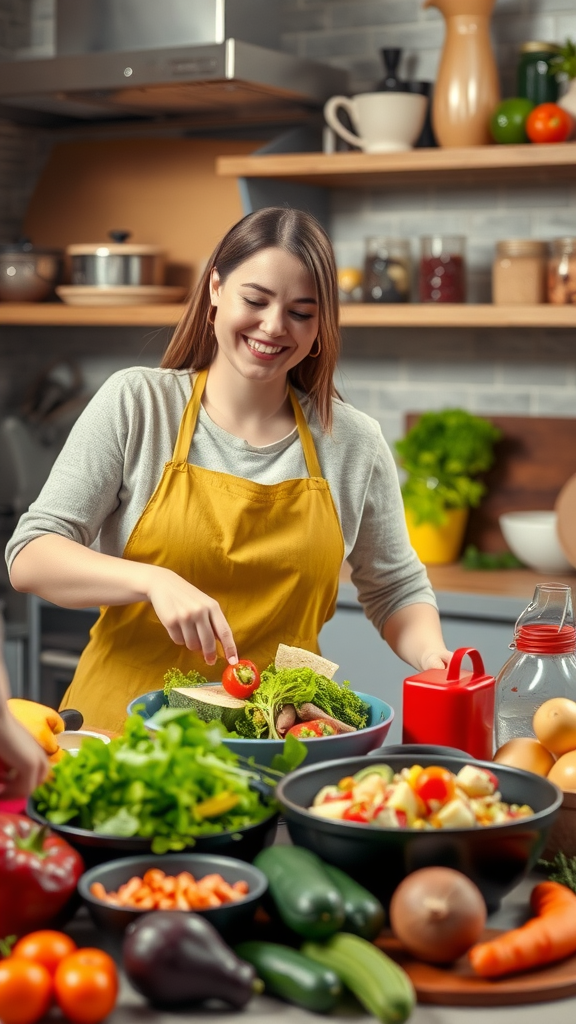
295 695
182 783
416 797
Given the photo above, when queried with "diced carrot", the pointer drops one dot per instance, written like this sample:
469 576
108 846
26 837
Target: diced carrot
241 886
126 891
209 882
148 903
169 885
98 890
154 878
165 903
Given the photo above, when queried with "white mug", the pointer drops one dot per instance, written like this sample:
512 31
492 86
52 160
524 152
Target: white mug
385 122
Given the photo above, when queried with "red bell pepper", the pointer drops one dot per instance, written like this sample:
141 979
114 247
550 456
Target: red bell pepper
38 874
358 812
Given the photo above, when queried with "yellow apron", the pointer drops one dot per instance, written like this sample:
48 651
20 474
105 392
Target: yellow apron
270 554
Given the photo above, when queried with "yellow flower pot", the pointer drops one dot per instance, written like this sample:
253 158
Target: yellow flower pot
438 545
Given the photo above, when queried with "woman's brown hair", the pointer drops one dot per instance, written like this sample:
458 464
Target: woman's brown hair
193 344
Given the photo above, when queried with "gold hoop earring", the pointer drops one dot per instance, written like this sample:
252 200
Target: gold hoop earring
314 355
211 316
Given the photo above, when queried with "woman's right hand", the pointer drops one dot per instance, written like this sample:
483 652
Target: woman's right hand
190 617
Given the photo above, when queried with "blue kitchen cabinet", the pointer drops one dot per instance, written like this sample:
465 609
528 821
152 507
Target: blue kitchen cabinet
485 622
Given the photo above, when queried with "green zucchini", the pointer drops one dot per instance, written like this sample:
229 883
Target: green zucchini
305 898
380 984
292 976
364 913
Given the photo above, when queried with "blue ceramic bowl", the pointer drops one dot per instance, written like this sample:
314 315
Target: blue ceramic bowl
324 748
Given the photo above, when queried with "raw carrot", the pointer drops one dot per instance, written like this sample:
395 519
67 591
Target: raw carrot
545 938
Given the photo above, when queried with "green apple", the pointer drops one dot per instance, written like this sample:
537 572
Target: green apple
507 123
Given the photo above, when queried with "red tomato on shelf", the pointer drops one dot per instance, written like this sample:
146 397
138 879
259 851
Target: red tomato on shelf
549 123
241 679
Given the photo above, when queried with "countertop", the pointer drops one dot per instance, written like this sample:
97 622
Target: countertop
132 1007
492 594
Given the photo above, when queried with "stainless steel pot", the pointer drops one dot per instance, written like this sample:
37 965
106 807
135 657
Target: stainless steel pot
116 263
28 274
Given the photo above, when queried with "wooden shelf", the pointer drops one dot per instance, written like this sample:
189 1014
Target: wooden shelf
457 315
353 314
365 170
58 314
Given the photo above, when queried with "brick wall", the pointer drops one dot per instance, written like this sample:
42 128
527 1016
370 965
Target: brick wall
386 372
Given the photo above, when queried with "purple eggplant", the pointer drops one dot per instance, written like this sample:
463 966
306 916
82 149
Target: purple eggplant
175 958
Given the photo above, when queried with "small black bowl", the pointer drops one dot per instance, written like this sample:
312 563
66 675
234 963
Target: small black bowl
231 919
96 848
495 857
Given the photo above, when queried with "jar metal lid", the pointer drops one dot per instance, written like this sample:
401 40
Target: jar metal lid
537 46
521 247
563 246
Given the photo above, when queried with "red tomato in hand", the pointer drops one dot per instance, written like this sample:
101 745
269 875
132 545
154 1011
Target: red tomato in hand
435 786
549 123
241 679
45 947
25 991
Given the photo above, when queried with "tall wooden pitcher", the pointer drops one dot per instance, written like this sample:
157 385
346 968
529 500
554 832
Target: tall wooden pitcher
467 88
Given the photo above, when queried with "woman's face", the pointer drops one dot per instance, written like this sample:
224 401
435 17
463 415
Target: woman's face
267 314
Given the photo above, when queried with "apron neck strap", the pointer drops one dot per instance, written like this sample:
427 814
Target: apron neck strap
190 416
306 439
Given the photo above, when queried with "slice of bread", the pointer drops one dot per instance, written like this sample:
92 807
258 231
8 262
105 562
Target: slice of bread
297 657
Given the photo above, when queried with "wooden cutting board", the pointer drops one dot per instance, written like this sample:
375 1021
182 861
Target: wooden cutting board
533 461
457 985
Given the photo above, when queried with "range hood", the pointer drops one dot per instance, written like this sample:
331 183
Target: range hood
144 58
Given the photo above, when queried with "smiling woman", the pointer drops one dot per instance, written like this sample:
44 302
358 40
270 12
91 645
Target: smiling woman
208 505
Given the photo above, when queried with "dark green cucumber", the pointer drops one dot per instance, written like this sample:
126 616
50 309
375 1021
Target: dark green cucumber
305 898
364 913
380 984
292 976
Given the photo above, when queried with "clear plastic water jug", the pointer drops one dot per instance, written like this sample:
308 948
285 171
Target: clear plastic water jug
543 664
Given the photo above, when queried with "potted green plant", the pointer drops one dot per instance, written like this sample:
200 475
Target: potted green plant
563 67
443 455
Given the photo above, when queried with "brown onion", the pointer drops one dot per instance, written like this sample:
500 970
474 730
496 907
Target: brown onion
437 914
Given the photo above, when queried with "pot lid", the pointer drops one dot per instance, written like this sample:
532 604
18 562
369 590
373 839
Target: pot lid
112 249
117 246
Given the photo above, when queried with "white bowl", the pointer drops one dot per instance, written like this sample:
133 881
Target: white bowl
72 739
533 538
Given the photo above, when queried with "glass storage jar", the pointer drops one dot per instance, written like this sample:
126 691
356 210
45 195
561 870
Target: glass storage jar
387 270
519 273
534 81
442 276
543 664
562 272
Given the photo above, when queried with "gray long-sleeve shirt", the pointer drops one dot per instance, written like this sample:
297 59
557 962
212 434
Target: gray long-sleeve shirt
114 457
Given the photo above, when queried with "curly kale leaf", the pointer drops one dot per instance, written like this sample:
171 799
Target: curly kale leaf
341 702
174 677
